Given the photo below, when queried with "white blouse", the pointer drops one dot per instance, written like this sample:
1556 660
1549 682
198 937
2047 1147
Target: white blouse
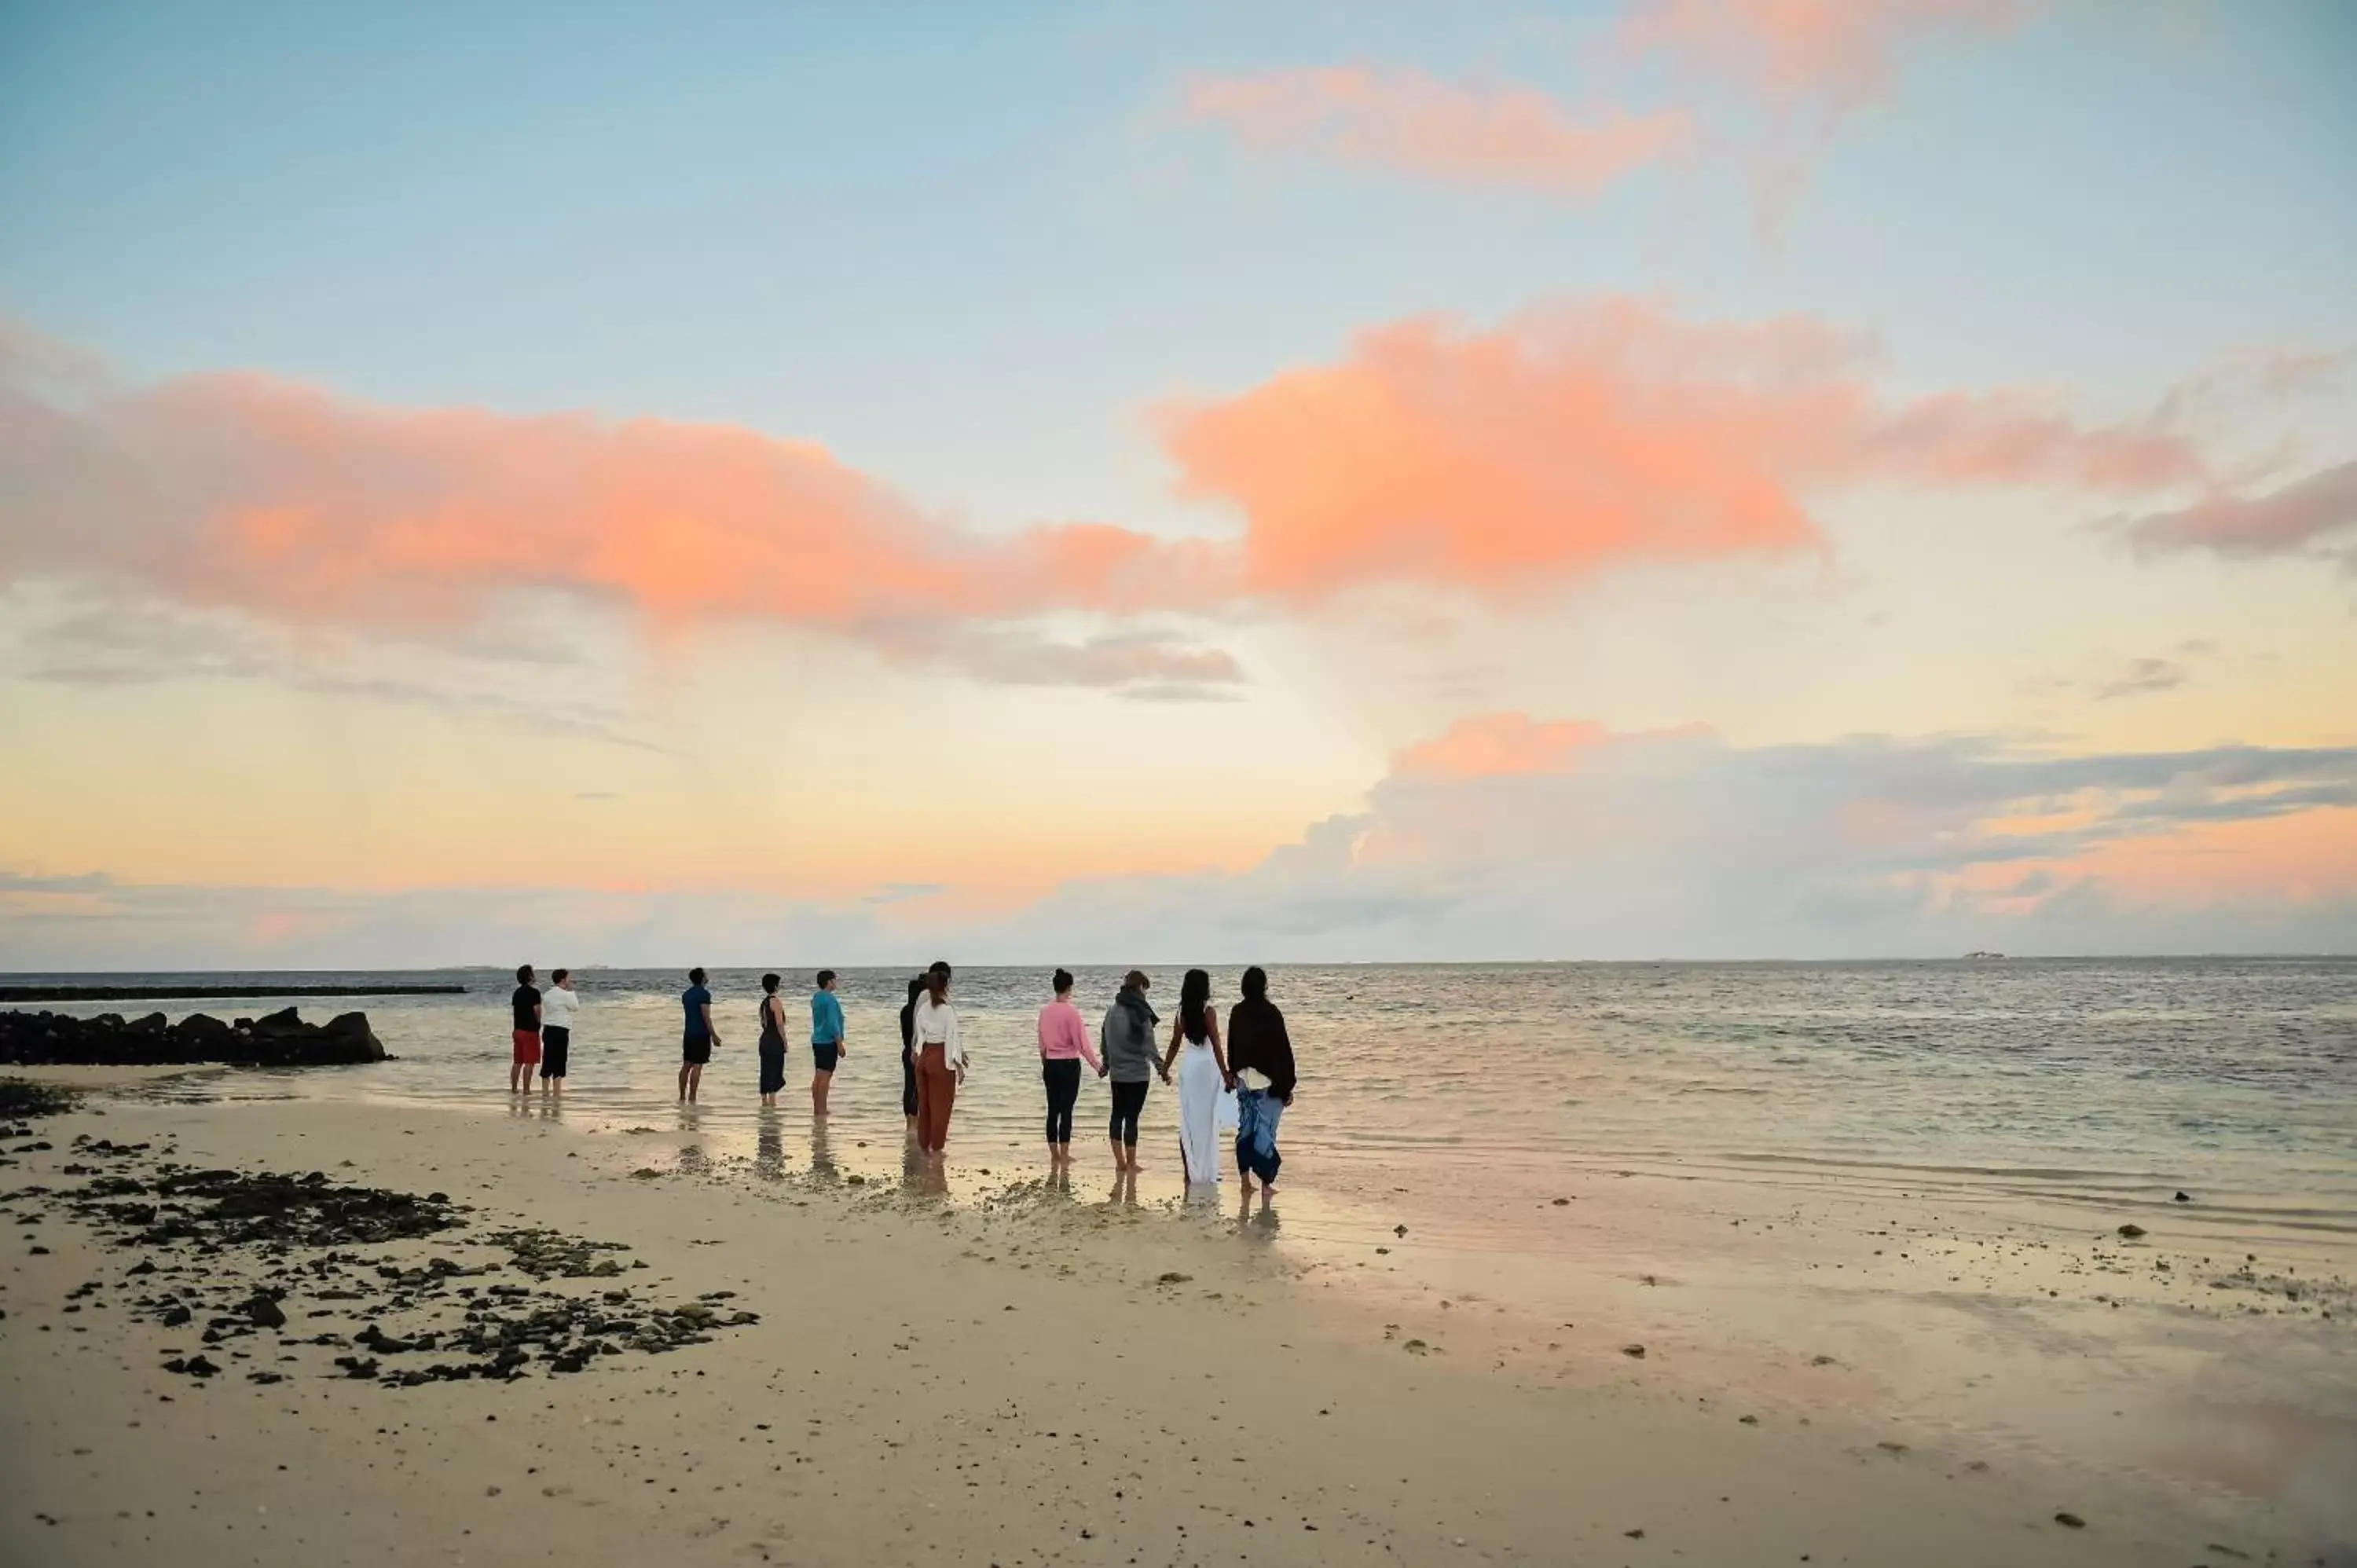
935 1024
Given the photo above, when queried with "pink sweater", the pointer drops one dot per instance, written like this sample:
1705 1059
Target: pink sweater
1062 1035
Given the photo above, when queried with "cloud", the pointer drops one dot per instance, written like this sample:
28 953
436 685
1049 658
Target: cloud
1831 56
1767 79
1507 837
2143 676
1491 744
305 508
1599 432
1411 122
2312 516
1558 839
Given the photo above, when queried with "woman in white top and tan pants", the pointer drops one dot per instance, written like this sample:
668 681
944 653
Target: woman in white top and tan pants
941 1060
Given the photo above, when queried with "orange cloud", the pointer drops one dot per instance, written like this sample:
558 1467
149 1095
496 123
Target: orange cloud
252 492
1596 432
1493 745
1405 120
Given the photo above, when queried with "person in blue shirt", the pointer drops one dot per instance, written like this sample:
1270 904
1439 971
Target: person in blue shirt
826 1039
698 1036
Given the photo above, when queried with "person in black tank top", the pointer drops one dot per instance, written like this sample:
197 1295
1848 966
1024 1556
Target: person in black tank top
773 1042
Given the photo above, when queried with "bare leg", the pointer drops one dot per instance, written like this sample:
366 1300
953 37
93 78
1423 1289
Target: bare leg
820 1083
683 1083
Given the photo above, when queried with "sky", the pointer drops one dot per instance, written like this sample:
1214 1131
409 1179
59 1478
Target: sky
1092 483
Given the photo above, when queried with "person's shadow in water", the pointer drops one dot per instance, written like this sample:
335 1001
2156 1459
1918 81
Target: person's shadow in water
1125 1190
920 1176
822 1167
1247 1221
769 1149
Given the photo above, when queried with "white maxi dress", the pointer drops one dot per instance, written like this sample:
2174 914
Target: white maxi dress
1206 1107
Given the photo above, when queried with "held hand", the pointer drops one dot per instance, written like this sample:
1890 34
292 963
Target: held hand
1229 1082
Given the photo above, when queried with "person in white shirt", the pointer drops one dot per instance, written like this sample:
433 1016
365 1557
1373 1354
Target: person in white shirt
557 1007
941 1060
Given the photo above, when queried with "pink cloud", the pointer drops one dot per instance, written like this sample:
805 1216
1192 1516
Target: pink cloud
1593 434
1839 52
1408 120
1492 745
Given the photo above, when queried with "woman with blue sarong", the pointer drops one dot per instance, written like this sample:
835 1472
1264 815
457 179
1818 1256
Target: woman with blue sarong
1260 1055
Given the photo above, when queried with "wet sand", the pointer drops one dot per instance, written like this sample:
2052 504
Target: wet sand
1029 1380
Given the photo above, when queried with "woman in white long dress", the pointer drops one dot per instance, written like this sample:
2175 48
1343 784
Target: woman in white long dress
1205 1085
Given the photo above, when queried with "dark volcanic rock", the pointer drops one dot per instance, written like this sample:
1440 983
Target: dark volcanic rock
280 1039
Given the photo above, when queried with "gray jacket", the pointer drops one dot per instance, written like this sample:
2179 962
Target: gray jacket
1127 1039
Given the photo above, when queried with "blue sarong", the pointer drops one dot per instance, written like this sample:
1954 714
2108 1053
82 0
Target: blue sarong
1257 1111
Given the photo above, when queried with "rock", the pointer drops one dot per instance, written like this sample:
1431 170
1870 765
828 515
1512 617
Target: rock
2184 1198
1823 1361
1399 1229
1634 1352
175 1316
263 1310
2069 1522
1174 1278
1562 1202
2132 1232
281 1039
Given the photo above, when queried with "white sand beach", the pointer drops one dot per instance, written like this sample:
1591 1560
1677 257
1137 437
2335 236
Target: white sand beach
1018 1381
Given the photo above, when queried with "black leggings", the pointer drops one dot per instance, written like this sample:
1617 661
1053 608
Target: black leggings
907 1082
1128 1099
1064 1080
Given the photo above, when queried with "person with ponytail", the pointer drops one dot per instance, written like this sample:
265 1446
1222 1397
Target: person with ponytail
1063 1046
941 1061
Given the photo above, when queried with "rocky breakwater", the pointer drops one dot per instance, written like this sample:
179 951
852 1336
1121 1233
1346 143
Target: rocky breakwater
279 1040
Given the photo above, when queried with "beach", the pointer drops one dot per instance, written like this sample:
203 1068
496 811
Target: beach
1009 1373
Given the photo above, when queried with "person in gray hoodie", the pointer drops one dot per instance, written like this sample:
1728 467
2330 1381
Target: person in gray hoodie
1127 1039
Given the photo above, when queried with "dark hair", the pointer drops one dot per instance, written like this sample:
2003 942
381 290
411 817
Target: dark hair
523 975
696 976
1134 981
1193 992
770 984
1255 983
939 966
1063 980
559 974
937 981
824 975
916 986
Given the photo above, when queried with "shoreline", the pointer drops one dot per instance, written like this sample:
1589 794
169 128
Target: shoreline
1085 1367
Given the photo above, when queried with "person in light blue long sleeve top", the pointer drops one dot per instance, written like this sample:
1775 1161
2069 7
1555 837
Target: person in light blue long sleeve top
826 1039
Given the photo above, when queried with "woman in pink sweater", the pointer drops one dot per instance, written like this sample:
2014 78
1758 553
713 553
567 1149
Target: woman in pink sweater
1063 1046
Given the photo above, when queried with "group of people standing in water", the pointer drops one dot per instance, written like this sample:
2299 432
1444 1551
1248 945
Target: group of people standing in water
1234 1082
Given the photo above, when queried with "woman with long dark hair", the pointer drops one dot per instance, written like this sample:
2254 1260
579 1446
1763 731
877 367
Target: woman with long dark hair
1063 1046
1261 1055
773 1040
908 1053
1204 1079
941 1061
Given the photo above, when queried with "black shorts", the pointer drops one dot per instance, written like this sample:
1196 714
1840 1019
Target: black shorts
696 1053
554 1042
826 1055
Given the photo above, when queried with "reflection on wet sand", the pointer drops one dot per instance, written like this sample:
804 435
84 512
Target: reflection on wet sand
769 1148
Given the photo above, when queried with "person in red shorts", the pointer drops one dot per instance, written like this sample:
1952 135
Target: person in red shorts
526 1006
